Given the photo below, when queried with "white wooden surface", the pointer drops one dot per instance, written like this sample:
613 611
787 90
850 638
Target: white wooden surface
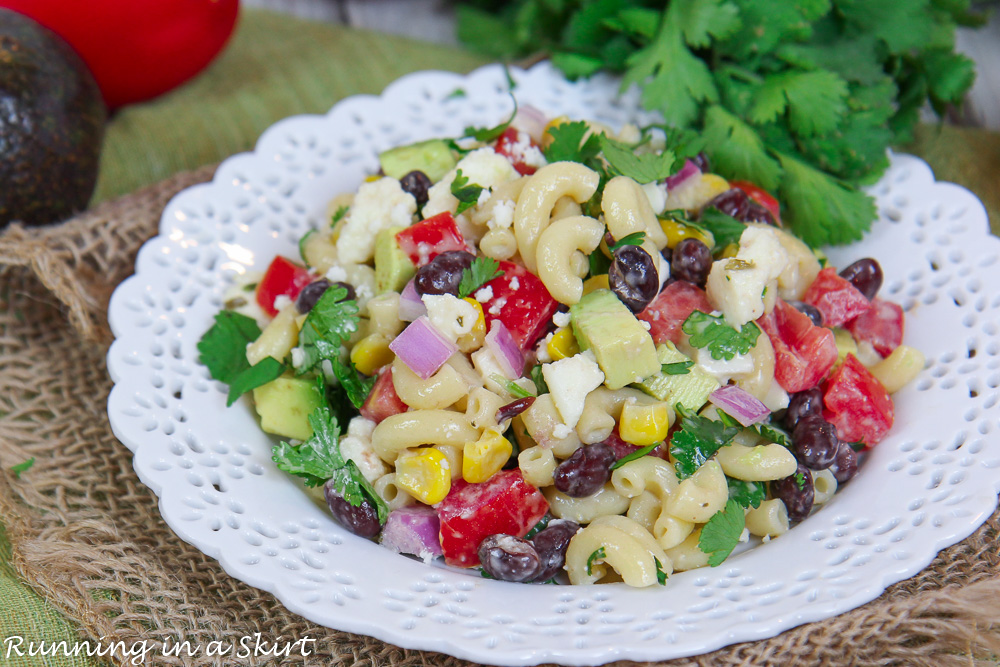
433 20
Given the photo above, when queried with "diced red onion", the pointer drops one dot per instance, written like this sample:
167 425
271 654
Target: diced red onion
422 347
738 404
689 170
413 530
410 305
530 120
501 343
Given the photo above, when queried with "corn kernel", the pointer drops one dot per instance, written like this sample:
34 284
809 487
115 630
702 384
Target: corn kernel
371 353
644 425
899 368
595 283
678 231
730 251
483 458
562 344
373 178
711 186
425 475
473 340
845 345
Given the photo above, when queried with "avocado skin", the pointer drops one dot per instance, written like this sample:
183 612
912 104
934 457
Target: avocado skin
51 125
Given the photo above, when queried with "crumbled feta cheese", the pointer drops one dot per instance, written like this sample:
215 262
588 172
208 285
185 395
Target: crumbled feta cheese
484 196
645 325
542 349
561 319
357 446
502 215
377 205
737 285
524 152
336 274
281 302
498 306
452 316
484 167
515 283
484 294
656 193
723 370
364 292
487 366
766 538
561 431
298 356
745 535
569 381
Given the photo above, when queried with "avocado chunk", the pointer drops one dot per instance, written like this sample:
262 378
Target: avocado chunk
51 127
623 347
393 268
284 406
845 345
433 157
691 389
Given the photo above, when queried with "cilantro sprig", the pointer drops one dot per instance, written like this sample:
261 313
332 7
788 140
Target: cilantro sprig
747 494
597 555
721 339
635 238
22 467
632 456
677 368
641 167
697 440
466 193
223 350
722 533
481 271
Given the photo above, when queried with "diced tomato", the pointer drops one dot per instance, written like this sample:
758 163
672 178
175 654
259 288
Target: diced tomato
282 278
504 503
803 352
521 302
429 238
511 145
836 298
881 325
761 196
667 312
857 404
383 401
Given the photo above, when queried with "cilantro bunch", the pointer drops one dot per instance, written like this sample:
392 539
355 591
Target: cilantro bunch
801 97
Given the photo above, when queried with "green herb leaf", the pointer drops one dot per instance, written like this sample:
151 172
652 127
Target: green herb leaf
800 481
327 327
738 151
481 271
338 215
223 348
598 554
264 371
302 245
316 459
747 494
661 575
539 380
599 263
466 193
349 482
542 524
816 101
24 466
721 339
722 533
697 440
641 167
513 388
858 446
725 229
355 386
568 145
635 238
677 367
488 134
632 456
457 94
773 434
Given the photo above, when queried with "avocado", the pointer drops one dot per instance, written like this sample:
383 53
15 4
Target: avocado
433 157
691 389
51 127
845 345
622 345
393 268
284 406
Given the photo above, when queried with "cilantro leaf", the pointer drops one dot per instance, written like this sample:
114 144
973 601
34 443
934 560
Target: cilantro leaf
568 143
349 482
264 371
697 440
815 100
704 19
457 94
327 326
597 555
488 134
635 238
632 456
721 339
641 167
599 263
747 494
223 348
737 150
339 214
722 533
725 228
800 480
773 434
539 380
355 386
661 575
466 193
481 271
542 524
858 446
24 466
677 368
316 459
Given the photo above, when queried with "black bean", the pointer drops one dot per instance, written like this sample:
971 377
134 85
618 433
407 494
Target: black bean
586 471
866 275
417 184
509 558
310 294
359 519
551 544
442 274
633 278
797 493
845 466
816 443
757 213
667 253
701 161
513 409
803 404
732 202
811 311
692 261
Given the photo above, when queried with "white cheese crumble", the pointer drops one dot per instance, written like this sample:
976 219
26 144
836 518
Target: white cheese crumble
542 349
561 431
739 286
721 369
487 366
336 274
484 294
498 305
281 302
646 325
484 167
502 215
298 356
357 446
377 205
561 319
656 193
524 152
484 196
569 381
452 316
515 283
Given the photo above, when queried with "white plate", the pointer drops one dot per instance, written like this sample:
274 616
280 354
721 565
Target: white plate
927 486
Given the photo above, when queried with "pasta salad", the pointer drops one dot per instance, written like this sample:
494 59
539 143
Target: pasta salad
561 353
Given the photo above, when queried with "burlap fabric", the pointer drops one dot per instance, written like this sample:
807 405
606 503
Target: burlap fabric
86 533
